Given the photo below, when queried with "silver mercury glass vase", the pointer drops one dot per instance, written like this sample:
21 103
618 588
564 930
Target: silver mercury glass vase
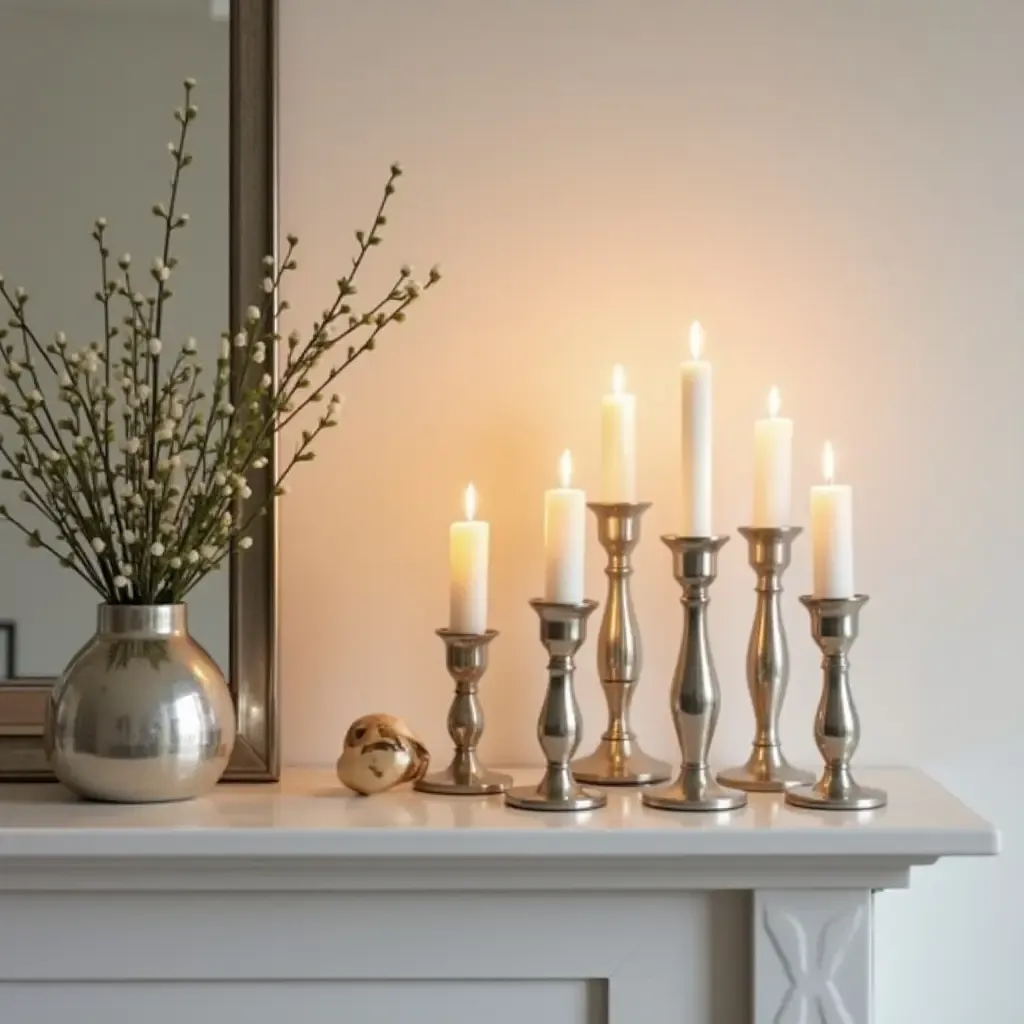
142 714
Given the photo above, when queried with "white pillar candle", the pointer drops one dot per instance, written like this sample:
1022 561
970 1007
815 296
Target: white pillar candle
773 466
696 393
618 442
832 533
469 542
565 531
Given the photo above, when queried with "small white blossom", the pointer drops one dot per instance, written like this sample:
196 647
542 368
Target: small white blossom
259 353
252 314
136 500
164 273
156 548
126 570
241 340
155 345
127 383
13 369
61 339
90 361
294 338
177 410
132 445
129 536
143 392
175 562
20 293
268 285
191 346
227 490
245 543
98 545
225 407
246 491
35 397
192 557
268 261
225 349
120 582
259 462
266 381
150 485
174 461
125 261
220 479
101 222
209 552
53 456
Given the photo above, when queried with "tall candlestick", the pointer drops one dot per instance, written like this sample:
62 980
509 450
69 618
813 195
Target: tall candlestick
832 533
695 375
773 467
565 531
468 550
618 443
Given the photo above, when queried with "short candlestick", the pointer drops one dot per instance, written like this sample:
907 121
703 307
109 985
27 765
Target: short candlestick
834 625
563 629
767 770
466 660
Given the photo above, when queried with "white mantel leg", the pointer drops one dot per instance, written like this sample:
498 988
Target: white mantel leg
812 956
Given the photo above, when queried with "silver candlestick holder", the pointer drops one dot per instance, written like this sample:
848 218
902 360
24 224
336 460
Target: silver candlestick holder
466 660
563 628
767 770
834 625
618 759
695 693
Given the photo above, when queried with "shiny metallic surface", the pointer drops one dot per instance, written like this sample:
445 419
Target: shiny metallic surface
563 629
466 659
834 624
142 714
618 759
767 770
695 696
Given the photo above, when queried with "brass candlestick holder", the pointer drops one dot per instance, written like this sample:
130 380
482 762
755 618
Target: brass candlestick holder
767 770
618 759
834 625
466 660
563 628
695 692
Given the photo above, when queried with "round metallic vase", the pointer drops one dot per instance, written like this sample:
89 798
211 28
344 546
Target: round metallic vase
142 714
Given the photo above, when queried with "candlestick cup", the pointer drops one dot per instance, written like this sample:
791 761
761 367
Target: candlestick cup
563 629
767 770
695 691
835 625
618 759
466 660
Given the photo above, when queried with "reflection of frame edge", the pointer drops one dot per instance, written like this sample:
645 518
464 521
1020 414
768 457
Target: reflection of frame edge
253 669
10 628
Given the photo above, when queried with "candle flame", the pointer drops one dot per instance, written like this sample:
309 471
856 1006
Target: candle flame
828 462
618 379
565 468
696 339
469 503
774 402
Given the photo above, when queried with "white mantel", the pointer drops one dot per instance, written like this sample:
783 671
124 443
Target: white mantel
258 901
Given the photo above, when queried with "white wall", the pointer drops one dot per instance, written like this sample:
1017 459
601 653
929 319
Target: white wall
836 191
88 95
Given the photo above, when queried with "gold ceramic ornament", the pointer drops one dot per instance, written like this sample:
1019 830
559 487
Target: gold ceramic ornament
380 751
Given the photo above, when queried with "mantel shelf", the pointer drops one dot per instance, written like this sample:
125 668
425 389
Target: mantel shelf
310 815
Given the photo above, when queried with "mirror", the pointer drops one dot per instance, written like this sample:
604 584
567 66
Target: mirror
91 139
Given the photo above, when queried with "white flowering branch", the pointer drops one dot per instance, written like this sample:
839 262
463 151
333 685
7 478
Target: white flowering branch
139 459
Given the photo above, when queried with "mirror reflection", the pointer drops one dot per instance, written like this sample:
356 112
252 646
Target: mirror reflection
89 88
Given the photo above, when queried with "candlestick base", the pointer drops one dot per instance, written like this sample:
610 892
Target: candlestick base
557 791
766 771
836 791
620 762
694 790
466 660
